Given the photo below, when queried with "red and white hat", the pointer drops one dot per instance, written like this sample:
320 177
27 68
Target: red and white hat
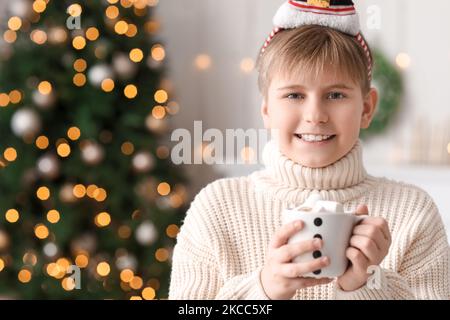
340 15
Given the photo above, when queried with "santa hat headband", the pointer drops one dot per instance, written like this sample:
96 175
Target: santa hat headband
336 14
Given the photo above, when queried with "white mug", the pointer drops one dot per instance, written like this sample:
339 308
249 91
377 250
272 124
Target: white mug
328 221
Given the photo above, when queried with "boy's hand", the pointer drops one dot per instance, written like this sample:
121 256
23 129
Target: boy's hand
368 246
280 277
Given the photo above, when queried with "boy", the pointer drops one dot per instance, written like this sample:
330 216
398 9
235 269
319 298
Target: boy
314 75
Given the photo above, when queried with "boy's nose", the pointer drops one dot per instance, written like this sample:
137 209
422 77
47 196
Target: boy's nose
314 113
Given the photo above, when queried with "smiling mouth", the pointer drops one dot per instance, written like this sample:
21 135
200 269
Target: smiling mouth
314 138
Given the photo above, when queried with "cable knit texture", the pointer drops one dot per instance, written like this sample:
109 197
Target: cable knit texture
222 244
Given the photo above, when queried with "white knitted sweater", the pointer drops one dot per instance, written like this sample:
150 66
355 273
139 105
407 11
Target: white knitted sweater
223 241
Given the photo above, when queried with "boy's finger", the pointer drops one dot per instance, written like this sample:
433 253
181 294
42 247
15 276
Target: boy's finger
362 210
311 282
295 270
358 260
288 252
283 234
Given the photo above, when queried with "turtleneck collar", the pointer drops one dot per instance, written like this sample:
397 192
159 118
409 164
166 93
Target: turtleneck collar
341 181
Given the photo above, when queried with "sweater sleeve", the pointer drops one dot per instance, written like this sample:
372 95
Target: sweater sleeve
424 271
196 274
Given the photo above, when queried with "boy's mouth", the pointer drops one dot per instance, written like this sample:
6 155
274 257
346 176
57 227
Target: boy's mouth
312 138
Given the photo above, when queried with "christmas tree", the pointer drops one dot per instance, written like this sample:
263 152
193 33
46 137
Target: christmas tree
90 202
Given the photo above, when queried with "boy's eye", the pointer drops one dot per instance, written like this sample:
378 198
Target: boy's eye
294 96
336 96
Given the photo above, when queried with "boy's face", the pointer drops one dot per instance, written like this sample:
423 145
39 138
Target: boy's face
317 121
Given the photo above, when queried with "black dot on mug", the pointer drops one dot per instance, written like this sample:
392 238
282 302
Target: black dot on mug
317 222
318 236
317 272
317 254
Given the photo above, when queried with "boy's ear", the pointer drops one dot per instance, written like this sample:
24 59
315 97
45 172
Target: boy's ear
265 114
370 106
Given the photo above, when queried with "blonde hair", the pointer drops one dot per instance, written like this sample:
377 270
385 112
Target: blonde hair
308 50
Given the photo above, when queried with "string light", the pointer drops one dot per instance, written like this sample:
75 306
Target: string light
148 293
203 62
29 258
113 1
63 150
162 152
42 142
45 87
12 215
161 96
136 55
126 3
4 99
38 36
10 36
24 276
68 284
132 30
79 191
90 190
82 260
73 133
403 60
130 91
158 53
126 275
152 3
79 79
74 10
79 42
92 33
102 219
107 85
53 216
159 112
41 231
172 231
163 188
127 148
103 269
10 154
247 65
247 154
162 255
121 27
176 201
135 298
39 6
100 194
80 65
151 26
15 96
136 283
43 193
2 264
14 23
124 232
173 107
112 12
